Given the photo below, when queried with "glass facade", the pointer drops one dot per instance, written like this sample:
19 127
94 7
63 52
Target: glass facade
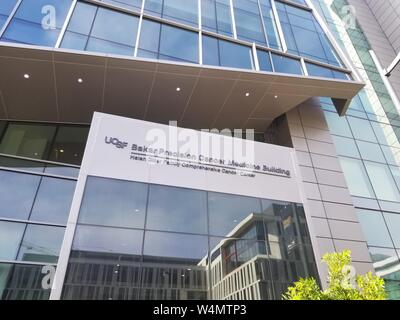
367 141
35 197
211 32
160 242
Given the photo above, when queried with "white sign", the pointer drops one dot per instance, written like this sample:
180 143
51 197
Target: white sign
136 150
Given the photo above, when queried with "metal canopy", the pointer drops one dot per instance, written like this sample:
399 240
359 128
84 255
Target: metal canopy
208 97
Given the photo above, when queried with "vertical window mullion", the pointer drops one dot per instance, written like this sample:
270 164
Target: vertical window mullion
12 13
233 19
200 34
263 23
139 29
66 22
278 26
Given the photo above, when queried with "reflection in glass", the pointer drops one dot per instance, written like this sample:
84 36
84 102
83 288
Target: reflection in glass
374 228
387 264
216 16
217 52
114 203
174 267
357 178
6 6
17 193
286 65
53 200
177 209
23 282
104 264
69 144
25 140
41 244
20 164
30 26
227 211
10 239
183 11
382 181
393 223
258 248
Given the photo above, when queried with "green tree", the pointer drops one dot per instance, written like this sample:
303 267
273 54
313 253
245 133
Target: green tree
343 283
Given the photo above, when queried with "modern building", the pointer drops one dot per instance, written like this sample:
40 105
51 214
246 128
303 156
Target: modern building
89 210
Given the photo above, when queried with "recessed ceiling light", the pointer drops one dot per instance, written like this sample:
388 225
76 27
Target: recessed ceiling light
80 80
247 94
26 76
178 89
276 96
62 151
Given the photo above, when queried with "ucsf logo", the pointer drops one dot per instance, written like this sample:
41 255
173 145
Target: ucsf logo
116 142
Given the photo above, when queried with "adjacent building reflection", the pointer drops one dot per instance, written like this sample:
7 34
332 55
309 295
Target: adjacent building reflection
258 258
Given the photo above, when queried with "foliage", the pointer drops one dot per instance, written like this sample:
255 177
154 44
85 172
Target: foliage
343 283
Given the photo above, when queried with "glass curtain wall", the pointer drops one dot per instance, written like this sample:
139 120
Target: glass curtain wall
367 141
141 241
176 30
38 172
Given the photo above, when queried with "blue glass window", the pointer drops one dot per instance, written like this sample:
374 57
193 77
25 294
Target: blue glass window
101 30
134 5
248 21
286 65
216 16
304 36
161 41
269 24
6 6
37 22
264 60
183 11
218 52
319 71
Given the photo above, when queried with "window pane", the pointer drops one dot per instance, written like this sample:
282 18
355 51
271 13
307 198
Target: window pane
110 241
382 181
61 170
286 65
149 43
6 6
357 178
318 71
37 22
269 23
104 264
134 5
53 201
264 60
25 140
345 147
20 164
338 125
227 211
23 282
174 267
183 11
361 129
10 239
17 193
374 228
41 244
304 36
112 202
175 209
69 144
393 222
227 54
371 151
179 45
216 16
113 32
248 21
